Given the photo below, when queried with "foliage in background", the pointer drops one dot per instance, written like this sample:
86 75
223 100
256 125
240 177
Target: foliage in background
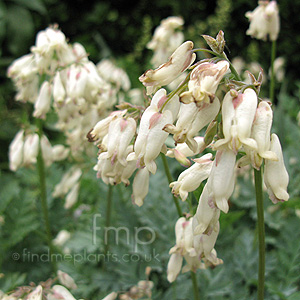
109 29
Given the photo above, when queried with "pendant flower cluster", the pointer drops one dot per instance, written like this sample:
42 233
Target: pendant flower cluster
264 21
57 77
238 131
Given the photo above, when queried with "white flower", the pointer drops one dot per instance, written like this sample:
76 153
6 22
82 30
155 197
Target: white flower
46 151
111 73
174 266
197 250
190 179
261 131
264 21
72 196
31 149
279 69
43 102
276 177
238 112
66 280
61 238
59 92
36 294
111 296
16 151
204 245
76 82
165 39
69 179
179 61
182 151
120 133
191 119
207 214
59 152
140 186
100 130
204 81
22 68
221 180
113 172
151 136
58 292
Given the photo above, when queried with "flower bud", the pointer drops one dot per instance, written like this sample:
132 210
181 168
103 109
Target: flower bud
60 292
31 149
111 296
59 92
61 238
72 196
190 179
179 61
16 151
207 214
221 180
218 44
261 134
43 102
276 177
174 266
69 179
66 280
140 186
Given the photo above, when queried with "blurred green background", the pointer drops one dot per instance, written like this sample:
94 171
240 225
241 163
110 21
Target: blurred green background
120 30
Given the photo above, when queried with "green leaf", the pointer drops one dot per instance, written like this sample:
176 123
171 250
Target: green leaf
11 281
20 220
20 29
35 5
9 190
2 21
295 296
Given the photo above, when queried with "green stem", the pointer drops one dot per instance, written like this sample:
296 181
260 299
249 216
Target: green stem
272 83
176 91
43 193
205 50
195 286
179 211
261 233
231 67
108 218
234 72
170 179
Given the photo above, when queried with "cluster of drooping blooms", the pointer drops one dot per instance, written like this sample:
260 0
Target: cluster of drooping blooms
264 21
45 290
198 251
58 76
166 39
51 291
69 186
238 126
24 149
118 156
